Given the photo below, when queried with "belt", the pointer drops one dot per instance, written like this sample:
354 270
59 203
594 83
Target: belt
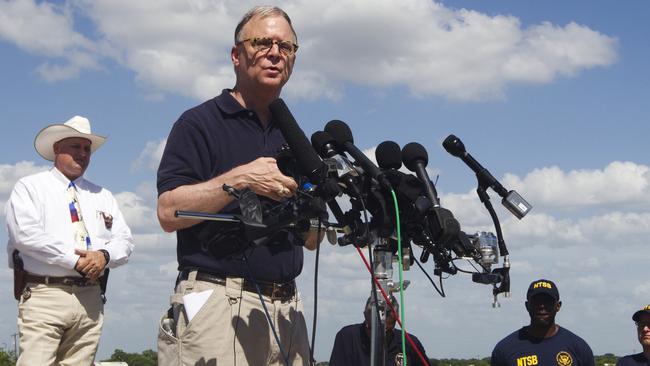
274 290
69 281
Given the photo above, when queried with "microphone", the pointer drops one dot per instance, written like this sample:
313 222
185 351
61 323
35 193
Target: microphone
341 133
415 159
445 228
515 203
389 159
325 146
389 155
308 162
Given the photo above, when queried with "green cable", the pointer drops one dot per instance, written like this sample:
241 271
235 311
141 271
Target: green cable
401 283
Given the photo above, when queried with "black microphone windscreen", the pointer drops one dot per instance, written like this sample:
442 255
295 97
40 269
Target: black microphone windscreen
454 146
308 161
318 141
340 131
411 153
389 155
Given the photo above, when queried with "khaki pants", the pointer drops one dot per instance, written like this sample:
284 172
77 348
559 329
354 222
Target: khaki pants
59 325
232 329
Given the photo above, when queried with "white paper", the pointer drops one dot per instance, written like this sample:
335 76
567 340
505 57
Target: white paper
194 302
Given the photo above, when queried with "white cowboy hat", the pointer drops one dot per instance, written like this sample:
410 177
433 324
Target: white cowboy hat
76 126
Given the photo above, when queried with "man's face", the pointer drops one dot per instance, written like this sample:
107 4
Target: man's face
643 330
268 69
542 309
72 156
390 319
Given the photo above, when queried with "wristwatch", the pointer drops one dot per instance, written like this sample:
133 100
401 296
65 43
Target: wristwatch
107 256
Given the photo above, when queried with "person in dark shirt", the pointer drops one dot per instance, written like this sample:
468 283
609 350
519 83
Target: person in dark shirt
642 320
543 342
352 342
235 302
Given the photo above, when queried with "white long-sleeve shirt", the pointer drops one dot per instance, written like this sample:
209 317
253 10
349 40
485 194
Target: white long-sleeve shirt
40 227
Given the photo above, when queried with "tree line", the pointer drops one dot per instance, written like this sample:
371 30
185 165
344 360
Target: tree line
149 358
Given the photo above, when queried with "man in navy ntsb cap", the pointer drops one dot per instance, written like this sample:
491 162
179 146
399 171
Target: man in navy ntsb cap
542 342
642 320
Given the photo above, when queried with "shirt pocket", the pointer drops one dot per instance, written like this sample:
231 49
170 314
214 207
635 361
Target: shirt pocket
102 221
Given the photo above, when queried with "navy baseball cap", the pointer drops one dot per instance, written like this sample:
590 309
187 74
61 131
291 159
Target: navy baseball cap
543 286
643 310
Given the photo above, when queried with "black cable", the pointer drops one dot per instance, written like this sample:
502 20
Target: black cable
465 271
313 327
440 292
472 264
266 312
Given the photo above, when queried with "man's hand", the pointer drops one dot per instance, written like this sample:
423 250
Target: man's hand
263 177
91 263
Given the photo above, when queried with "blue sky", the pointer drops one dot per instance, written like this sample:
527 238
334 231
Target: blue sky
551 96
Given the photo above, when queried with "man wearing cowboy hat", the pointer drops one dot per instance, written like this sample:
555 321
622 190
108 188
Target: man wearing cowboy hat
232 140
641 319
64 232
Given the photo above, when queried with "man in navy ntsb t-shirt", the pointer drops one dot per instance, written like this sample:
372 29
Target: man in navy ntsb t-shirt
352 343
642 320
542 343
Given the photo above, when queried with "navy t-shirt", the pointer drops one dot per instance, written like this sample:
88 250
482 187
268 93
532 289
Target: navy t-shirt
638 359
562 349
207 141
352 348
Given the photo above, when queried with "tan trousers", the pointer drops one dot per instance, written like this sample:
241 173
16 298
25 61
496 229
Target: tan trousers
232 329
59 325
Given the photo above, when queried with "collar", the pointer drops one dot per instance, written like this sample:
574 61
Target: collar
228 104
65 182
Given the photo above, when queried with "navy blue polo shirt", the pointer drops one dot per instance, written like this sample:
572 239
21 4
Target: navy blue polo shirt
352 348
207 141
563 349
638 359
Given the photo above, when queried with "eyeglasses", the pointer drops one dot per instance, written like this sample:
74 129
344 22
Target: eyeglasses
642 325
264 44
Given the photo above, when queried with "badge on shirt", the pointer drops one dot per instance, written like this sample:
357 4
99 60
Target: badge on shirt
108 219
564 359
399 359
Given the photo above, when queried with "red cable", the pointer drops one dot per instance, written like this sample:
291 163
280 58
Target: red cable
385 296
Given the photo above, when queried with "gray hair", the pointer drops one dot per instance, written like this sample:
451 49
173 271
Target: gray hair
262 11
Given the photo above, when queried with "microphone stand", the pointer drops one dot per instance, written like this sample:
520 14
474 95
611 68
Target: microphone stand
504 272
382 266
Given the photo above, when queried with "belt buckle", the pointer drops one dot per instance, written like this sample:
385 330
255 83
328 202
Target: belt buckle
281 291
68 281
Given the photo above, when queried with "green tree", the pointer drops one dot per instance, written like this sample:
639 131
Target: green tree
146 358
606 359
7 358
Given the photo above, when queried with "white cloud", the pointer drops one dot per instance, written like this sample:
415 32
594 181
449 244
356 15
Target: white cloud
150 156
619 183
642 291
48 30
10 174
137 214
183 47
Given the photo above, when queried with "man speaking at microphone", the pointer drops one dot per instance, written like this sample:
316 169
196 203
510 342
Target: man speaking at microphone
231 139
